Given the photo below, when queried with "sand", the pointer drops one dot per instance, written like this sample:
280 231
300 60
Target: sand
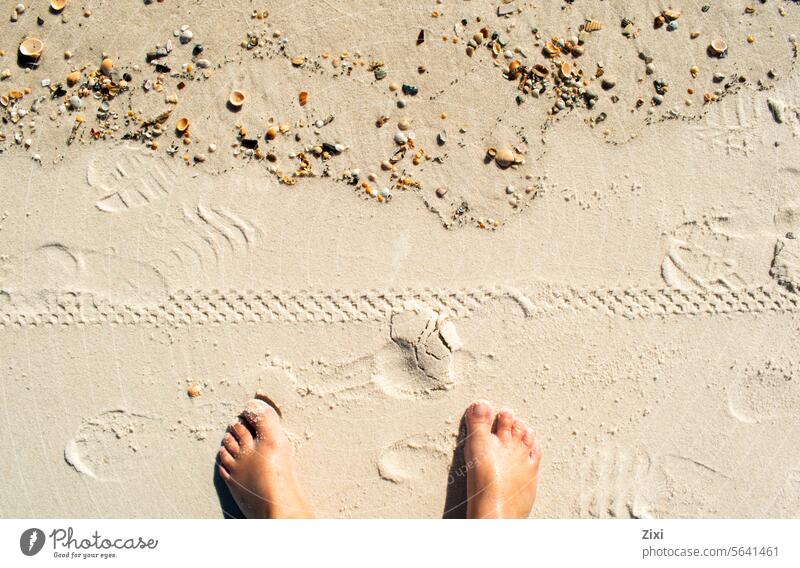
633 296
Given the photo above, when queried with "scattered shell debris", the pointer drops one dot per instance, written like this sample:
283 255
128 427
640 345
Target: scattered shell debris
550 73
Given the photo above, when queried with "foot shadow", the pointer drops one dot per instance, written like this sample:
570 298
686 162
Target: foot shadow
455 502
230 510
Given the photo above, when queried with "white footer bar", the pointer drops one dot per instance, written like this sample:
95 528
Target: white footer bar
391 543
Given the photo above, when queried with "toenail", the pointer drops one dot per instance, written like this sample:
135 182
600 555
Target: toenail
256 406
480 410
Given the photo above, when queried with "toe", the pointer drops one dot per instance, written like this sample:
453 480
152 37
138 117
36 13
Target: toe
535 448
226 460
518 430
503 425
479 418
243 436
262 419
224 473
230 444
529 438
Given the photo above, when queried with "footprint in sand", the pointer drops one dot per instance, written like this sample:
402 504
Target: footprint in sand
203 237
428 341
703 254
55 267
417 362
420 456
628 482
787 502
111 446
785 269
129 177
621 482
769 391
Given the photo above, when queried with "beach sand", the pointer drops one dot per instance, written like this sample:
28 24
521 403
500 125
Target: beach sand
628 286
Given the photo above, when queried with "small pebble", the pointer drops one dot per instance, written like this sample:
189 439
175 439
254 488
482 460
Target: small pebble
510 189
400 138
75 102
441 192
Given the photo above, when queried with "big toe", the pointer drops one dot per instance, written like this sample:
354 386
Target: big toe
262 420
479 418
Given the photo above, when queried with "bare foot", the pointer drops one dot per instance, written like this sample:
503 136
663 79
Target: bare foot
502 458
255 461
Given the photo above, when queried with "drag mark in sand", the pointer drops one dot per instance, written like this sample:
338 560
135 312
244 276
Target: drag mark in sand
218 307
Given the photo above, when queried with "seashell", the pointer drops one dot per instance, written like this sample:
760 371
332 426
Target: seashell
564 70
491 152
298 60
505 157
73 78
3 100
513 66
106 66
497 49
236 98
540 70
58 5
194 391
182 125
303 98
31 49
272 133
718 47
550 49
593 26
671 15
